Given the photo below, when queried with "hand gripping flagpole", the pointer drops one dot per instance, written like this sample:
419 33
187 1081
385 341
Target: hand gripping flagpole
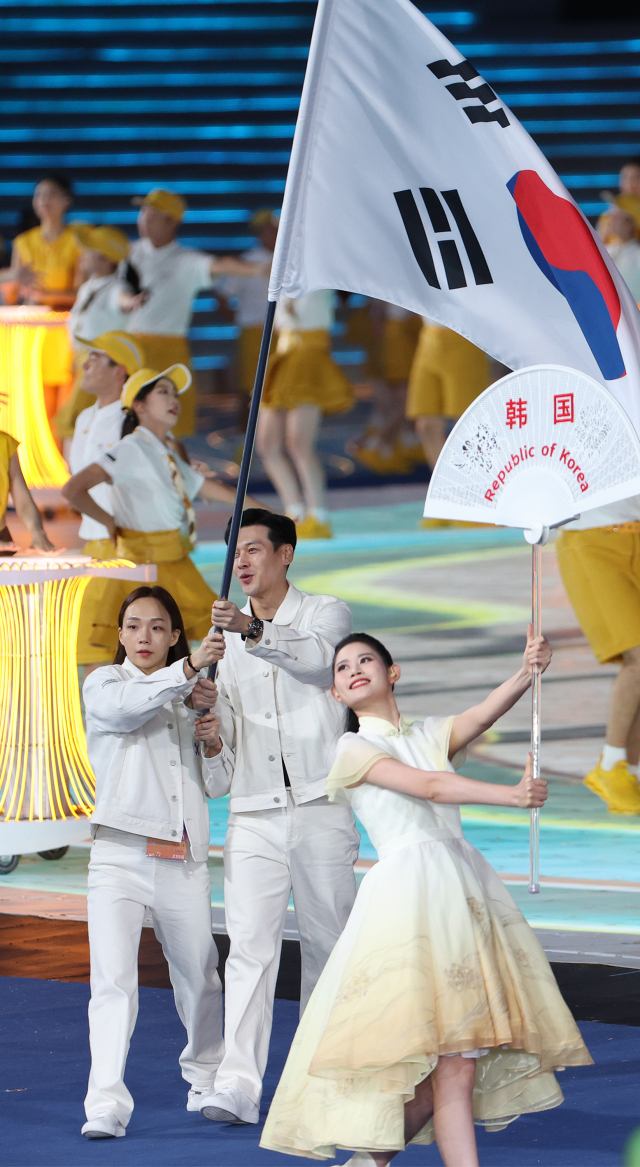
534 828
245 464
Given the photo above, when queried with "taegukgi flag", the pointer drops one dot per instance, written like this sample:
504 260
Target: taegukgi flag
410 181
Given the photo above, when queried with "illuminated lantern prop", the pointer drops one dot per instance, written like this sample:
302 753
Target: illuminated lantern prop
22 406
47 785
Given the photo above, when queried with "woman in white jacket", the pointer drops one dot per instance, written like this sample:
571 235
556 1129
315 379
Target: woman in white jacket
151 842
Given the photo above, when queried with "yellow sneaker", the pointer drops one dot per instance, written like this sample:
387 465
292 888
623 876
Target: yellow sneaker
312 528
617 787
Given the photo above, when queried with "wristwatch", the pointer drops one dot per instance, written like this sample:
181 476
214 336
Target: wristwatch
254 631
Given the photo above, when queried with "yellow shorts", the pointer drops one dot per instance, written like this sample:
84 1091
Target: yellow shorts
89 654
600 570
301 372
447 374
162 351
177 574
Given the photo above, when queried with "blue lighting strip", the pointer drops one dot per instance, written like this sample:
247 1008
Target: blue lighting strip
132 187
75 25
153 105
584 126
619 150
581 98
142 80
560 73
209 362
158 53
185 158
215 332
141 133
549 48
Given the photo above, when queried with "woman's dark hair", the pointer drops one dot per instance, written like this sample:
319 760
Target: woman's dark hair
61 181
131 418
353 725
177 650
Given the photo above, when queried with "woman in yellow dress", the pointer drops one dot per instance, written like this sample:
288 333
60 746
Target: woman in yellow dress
437 1007
44 264
152 494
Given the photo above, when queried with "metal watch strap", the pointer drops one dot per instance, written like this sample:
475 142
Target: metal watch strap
255 629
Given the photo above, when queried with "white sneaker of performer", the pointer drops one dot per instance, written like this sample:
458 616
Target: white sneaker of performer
196 1095
105 1126
123 881
230 1106
310 848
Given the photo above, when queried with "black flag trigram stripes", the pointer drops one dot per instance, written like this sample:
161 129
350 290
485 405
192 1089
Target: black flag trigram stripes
448 248
461 90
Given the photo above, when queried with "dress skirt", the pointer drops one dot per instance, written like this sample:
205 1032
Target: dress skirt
435 959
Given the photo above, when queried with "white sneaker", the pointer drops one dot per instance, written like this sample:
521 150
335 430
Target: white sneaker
197 1094
105 1126
230 1106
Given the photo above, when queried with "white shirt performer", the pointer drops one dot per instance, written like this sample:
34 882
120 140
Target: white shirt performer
169 276
108 362
277 714
150 849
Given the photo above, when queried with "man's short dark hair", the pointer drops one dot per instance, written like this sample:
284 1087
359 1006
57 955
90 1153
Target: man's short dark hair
281 528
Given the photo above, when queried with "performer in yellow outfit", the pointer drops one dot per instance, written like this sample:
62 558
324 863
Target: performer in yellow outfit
12 482
44 263
169 275
599 560
108 361
437 1008
384 447
628 201
301 385
96 310
152 493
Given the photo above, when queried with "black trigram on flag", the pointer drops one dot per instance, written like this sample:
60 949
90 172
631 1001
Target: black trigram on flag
461 90
448 248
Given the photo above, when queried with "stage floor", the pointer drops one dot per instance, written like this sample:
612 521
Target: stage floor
452 604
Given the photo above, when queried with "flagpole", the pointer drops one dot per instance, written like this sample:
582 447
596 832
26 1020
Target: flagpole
247 455
534 828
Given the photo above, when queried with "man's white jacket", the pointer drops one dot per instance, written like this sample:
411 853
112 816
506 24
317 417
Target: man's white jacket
274 704
149 779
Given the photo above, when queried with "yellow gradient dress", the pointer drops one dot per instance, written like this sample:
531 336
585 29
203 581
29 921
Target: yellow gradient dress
435 959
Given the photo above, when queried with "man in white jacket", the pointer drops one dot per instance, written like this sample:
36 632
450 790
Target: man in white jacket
279 725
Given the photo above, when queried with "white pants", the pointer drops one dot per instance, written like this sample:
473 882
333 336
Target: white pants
123 881
310 849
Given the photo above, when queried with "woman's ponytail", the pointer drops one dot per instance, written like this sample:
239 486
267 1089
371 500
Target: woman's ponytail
130 422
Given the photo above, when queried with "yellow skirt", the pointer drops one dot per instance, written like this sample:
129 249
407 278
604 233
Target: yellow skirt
169 550
399 340
162 351
600 570
89 654
447 374
301 372
64 422
248 353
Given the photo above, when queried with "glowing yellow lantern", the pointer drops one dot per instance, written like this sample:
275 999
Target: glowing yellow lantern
22 407
47 785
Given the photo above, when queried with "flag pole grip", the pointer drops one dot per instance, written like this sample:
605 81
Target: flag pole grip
245 464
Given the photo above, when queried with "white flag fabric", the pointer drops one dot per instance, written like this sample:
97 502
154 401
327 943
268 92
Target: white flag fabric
411 182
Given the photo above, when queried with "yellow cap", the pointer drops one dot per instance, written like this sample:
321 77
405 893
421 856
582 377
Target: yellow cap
262 218
107 240
179 374
120 346
163 200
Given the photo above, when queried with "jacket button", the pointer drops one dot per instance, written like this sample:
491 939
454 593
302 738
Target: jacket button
265 674
170 725
174 797
172 762
272 757
276 800
267 715
267 642
174 832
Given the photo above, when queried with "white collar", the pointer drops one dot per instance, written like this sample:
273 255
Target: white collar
288 608
159 251
384 728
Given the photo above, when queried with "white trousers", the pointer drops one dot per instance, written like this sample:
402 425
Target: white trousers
123 882
310 850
